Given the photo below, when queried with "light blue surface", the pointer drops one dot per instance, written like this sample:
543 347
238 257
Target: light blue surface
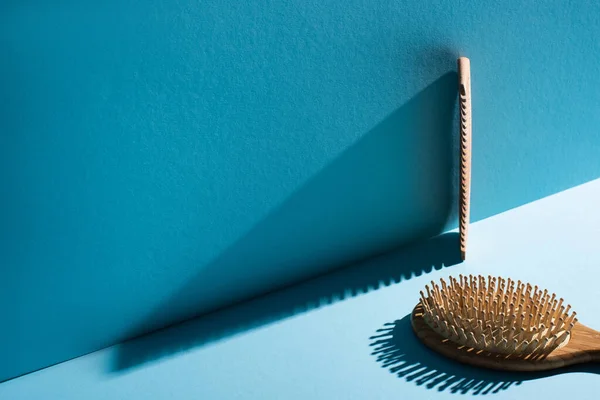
159 159
307 344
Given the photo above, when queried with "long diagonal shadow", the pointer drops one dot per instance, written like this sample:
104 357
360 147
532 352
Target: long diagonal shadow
393 186
360 278
397 348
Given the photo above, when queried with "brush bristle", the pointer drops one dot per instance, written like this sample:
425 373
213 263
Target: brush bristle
497 315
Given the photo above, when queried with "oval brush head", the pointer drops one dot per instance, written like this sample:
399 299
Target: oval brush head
500 323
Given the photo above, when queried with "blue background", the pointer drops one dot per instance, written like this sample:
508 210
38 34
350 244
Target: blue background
347 334
160 159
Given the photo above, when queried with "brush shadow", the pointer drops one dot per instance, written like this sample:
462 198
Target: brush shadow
397 349
394 267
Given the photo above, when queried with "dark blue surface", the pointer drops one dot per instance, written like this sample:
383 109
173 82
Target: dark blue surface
397 266
347 335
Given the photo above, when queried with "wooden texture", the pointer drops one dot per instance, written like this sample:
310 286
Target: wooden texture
497 315
583 346
464 91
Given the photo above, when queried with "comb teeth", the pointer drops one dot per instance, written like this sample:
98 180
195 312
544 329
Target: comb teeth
497 315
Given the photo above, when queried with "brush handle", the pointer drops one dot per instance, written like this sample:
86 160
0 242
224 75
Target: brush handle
583 347
584 344
464 95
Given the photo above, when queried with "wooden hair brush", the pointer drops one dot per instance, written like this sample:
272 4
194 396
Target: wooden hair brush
502 324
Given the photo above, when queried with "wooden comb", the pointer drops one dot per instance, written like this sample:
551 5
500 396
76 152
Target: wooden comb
464 95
